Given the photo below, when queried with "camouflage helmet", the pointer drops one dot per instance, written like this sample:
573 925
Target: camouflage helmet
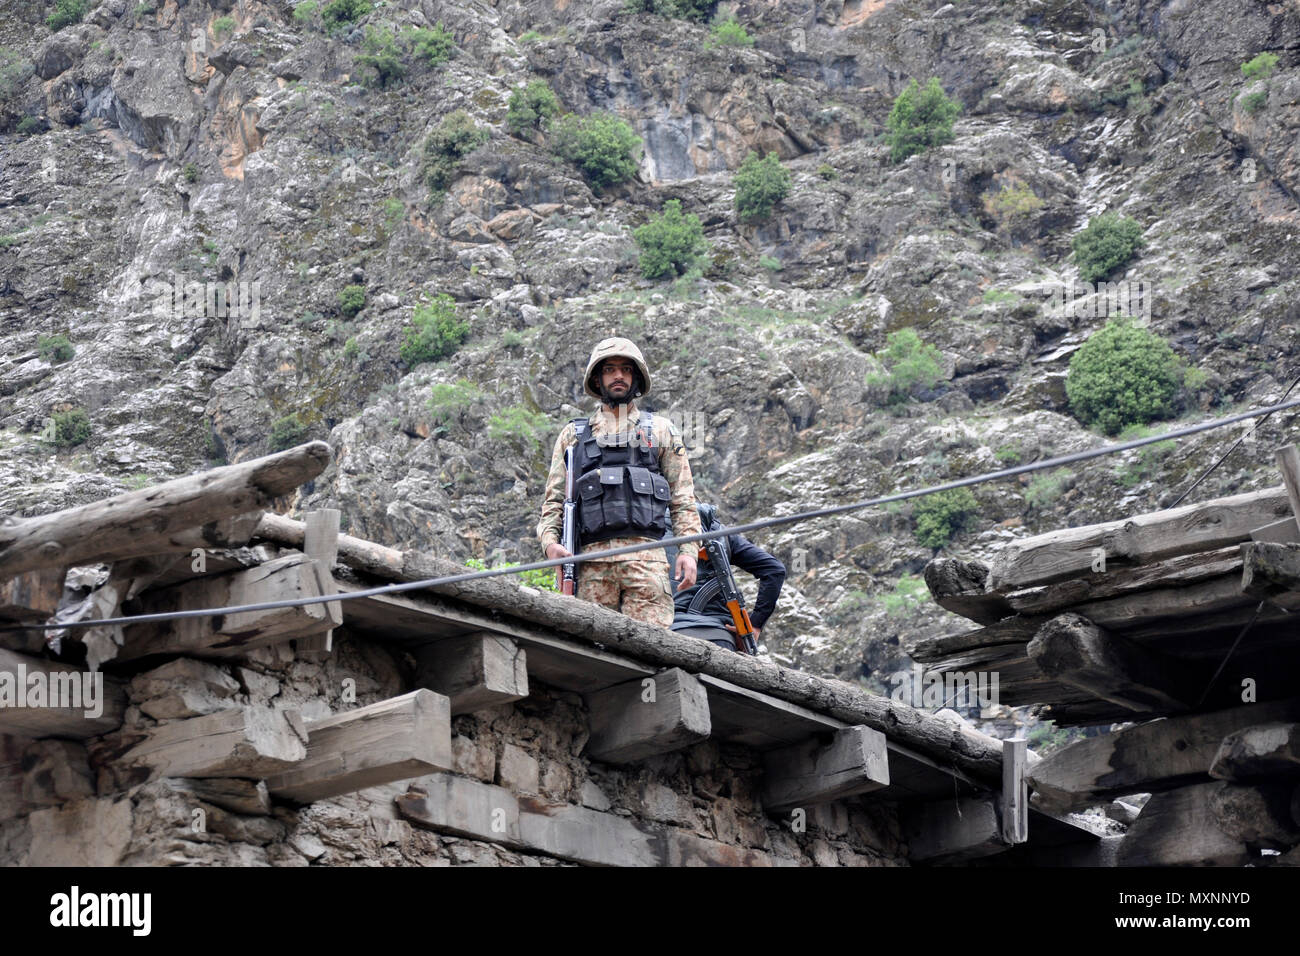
615 348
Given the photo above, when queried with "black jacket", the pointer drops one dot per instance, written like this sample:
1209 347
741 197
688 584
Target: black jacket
747 556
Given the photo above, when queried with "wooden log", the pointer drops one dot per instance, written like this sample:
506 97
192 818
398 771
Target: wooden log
1259 751
1047 558
1270 569
952 831
250 742
134 523
43 699
1012 632
1130 611
642 718
1151 757
290 577
1014 797
1259 814
958 586
474 671
32 595
249 797
183 688
41 773
321 544
1072 650
1288 463
395 739
1278 532
1180 828
974 754
854 761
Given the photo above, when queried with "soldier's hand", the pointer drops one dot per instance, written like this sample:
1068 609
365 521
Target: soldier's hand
554 551
685 570
758 631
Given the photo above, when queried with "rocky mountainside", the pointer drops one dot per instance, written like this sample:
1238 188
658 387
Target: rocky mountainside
156 148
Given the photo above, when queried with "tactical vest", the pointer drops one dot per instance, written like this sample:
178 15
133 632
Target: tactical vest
621 493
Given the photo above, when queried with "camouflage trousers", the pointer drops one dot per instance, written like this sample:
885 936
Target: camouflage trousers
639 589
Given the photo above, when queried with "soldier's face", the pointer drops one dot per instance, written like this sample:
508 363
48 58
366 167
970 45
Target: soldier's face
616 379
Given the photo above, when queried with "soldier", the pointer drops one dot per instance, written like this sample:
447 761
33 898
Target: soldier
629 465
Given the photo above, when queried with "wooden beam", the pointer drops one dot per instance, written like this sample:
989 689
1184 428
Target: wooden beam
475 671
1277 532
395 739
1013 799
1072 650
134 523
642 718
1288 462
1179 828
1258 815
1257 752
32 595
41 773
321 544
1047 558
1148 758
958 586
854 761
88 703
249 797
1270 569
292 576
952 831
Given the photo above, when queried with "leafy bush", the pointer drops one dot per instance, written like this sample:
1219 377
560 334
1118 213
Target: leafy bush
1108 242
1012 205
910 592
518 424
760 185
603 146
305 13
287 432
28 125
827 172
921 118
541 578
14 73
1148 459
454 138
223 25
67 12
435 331
698 10
448 401
71 427
770 263
431 47
1043 490
671 243
352 300
531 106
339 12
1046 738
1261 67
531 36
729 32
908 363
55 348
1123 375
191 172
943 514
382 55
1254 102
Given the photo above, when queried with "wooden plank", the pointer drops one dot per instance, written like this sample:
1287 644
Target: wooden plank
1258 814
1288 462
249 797
1047 558
1278 532
395 739
321 544
1146 607
135 523
952 831
958 586
1270 569
758 720
643 718
1179 828
1017 630
1013 799
1072 650
32 595
474 671
1158 755
1259 751
88 703
854 761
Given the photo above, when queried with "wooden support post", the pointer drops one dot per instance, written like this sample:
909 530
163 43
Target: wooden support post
321 544
1288 462
856 760
42 699
1179 828
474 671
948 831
1258 752
1071 649
141 522
641 718
1014 798
395 739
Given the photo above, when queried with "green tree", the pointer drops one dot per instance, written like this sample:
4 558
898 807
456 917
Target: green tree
287 432
435 331
454 138
671 243
336 13
382 55
729 32
531 106
1123 375
352 299
431 47
943 514
55 348
1108 242
760 185
71 427
1261 67
908 363
921 118
67 12
603 146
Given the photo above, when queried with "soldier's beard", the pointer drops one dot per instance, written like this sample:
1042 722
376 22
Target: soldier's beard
613 399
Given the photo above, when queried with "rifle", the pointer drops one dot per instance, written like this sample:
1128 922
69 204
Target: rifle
715 553
568 573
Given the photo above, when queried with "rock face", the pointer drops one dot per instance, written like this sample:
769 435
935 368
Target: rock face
177 154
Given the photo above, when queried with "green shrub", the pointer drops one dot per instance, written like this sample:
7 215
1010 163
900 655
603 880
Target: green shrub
518 424
1046 738
67 12
827 172
511 339
729 32
382 56
351 349
1261 67
531 36
760 185
603 146
336 13
431 47
55 348
1012 205
1148 459
14 73
921 118
943 514
222 25
541 578
1008 455
531 106
910 592
454 138
449 401
305 13
287 432
1043 490
770 263
698 10
393 210
29 125
671 243
435 331
352 300
191 172
908 363
68 428
1254 102
1108 242
1123 375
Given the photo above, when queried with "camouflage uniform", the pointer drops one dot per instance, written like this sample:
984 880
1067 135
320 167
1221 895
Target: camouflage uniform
636 584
